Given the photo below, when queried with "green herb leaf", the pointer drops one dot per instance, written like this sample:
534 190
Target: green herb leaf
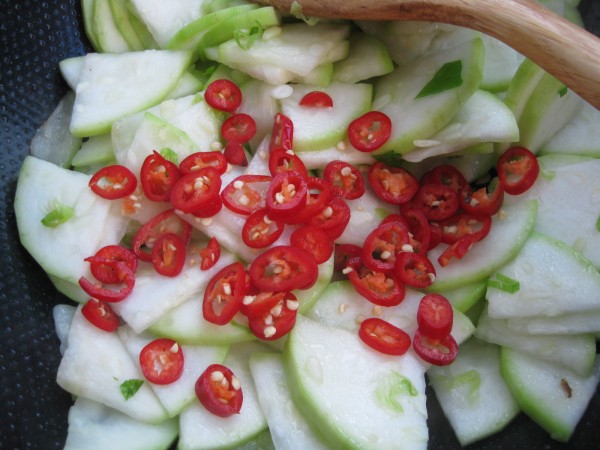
60 214
245 38
170 155
296 11
598 224
448 77
504 283
130 387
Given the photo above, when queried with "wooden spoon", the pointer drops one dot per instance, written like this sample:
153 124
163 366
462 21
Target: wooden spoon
563 49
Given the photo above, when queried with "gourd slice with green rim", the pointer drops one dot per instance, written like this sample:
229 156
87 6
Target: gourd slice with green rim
87 10
112 86
108 36
575 323
553 279
581 136
122 19
96 150
368 58
165 19
200 429
319 128
483 118
94 425
575 353
296 48
180 393
154 296
89 221
553 397
569 207
473 395
288 427
423 96
153 133
95 366
190 35
336 381
511 227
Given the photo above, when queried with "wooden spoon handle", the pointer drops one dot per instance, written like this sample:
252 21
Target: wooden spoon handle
560 47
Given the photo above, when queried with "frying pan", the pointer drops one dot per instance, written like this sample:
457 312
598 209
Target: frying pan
34 37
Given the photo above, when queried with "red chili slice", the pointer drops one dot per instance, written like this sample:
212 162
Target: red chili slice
239 127
282 160
392 184
439 352
286 195
200 160
246 193
396 218
223 95
435 236
164 222
259 231
283 268
158 176
435 316
414 270
235 154
276 322
168 255
447 175
261 302
210 254
317 99
383 244
459 225
518 168
98 290
219 391
384 337
282 136
113 182
224 293
314 241
437 201
106 274
419 228
196 190
380 288
457 250
211 209
100 314
333 218
161 361
485 201
370 131
318 196
344 254
345 179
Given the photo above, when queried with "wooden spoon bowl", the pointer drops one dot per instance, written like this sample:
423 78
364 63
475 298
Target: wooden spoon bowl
560 47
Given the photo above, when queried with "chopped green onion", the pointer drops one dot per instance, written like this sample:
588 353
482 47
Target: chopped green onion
504 283
598 224
391 388
130 387
448 77
381 213
296 11
563 91
548 175
169 155
60 214
245 38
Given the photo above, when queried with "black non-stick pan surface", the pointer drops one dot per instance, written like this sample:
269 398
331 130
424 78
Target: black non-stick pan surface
34 37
